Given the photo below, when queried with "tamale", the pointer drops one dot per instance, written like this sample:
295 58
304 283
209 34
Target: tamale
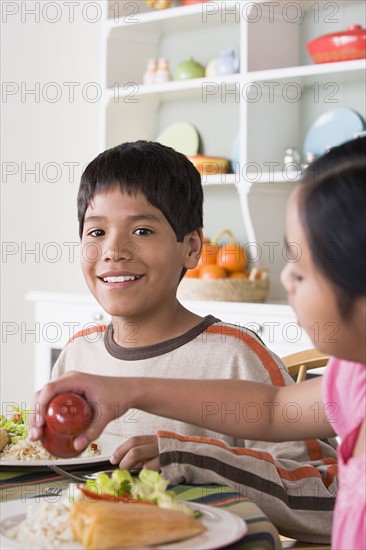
4 438
103 525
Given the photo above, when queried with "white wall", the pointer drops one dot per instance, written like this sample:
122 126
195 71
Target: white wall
36 129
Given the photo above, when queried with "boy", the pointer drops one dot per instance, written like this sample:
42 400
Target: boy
140 218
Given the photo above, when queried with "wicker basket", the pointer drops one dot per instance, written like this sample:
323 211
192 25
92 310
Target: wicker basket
224 290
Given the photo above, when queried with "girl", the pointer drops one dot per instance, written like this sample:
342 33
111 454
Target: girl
325 279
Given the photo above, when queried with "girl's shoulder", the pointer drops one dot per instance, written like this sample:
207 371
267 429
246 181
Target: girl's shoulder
344 394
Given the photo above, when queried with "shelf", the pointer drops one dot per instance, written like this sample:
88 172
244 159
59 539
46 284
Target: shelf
226 85
173 19
274 178
180 18
235 86
269 106
220 179
268 184
349 70
177 89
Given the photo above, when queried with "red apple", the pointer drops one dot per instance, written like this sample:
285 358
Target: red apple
67 416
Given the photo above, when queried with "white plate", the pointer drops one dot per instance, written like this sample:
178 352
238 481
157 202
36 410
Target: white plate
223 528
107 443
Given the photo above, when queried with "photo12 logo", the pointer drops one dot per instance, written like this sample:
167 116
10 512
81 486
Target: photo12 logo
254 12
51 12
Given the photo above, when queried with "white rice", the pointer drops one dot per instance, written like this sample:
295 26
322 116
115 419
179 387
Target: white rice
29 451
46 526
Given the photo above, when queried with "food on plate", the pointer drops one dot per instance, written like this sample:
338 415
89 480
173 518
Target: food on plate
106 525
26 450
77 515
20 447
149 487
67 416
17 425
46 525
4 438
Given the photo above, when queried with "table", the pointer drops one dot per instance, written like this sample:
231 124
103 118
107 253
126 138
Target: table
262 534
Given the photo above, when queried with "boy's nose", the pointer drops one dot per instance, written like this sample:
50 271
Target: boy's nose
116 251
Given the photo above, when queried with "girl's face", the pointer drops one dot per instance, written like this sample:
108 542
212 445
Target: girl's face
311 294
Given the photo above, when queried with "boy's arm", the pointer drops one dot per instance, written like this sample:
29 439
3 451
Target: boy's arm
297 493
286 413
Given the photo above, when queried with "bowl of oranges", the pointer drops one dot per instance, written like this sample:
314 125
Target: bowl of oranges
223 274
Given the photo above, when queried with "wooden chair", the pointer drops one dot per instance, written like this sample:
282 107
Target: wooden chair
299 363
298 545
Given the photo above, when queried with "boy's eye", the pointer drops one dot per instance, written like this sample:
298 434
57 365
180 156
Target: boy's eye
96 233
142 231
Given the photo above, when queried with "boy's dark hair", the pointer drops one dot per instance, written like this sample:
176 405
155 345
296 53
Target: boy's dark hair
333 201
167 178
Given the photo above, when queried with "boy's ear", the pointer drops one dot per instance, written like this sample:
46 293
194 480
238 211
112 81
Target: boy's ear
194 248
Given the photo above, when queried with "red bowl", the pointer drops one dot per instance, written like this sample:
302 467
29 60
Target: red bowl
190 2
339 46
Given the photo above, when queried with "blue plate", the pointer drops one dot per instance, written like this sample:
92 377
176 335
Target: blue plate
333 128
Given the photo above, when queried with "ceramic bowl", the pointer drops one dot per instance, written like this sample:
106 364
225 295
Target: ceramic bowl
159 4
190 2
210 165
340 46
189 69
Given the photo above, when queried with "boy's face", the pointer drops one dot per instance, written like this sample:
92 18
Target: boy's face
130 256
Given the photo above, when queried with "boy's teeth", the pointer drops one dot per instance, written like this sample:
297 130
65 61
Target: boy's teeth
121 279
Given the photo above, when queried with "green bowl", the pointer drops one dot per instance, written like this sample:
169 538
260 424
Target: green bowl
189 69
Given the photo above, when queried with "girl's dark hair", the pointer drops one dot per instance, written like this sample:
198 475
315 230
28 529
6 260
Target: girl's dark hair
332 208
167 178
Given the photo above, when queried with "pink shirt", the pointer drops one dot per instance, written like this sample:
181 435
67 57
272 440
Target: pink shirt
344 395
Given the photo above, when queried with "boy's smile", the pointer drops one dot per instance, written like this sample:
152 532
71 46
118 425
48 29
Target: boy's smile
116 279
131 259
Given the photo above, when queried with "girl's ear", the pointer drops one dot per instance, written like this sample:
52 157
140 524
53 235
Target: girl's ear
194 248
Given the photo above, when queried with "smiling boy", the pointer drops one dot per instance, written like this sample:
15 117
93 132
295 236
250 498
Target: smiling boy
140 218
136 267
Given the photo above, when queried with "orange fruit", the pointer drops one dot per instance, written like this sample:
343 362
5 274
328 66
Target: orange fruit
212 271
238 275
192 273
232 256
209 254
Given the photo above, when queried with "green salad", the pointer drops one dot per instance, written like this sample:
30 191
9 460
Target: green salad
16 425
149 486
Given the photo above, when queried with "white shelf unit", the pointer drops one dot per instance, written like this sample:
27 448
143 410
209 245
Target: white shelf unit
271 103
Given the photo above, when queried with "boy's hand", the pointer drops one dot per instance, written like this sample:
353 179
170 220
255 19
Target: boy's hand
137 452
97 390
